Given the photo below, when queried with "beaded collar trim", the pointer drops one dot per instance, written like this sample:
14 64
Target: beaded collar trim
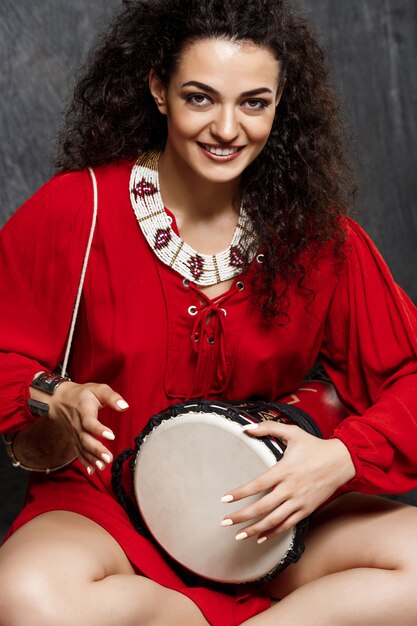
202 269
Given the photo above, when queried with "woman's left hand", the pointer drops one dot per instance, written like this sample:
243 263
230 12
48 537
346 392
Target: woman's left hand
307 475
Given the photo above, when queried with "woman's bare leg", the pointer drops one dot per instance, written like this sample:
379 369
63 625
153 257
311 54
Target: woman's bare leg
359 567
62 569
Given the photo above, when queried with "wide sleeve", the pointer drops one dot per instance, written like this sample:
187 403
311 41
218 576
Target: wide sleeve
41 254
370 352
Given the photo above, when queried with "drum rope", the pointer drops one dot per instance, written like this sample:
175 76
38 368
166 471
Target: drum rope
124 499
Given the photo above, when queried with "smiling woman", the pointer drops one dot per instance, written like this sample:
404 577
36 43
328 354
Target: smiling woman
222 267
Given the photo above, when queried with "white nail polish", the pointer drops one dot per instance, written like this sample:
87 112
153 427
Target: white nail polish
122 404
226 522
107 434
241 536
100 465
106 457
227 498
90 470
262 539
250 427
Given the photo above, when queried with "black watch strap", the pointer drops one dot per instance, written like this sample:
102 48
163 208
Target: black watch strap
48 382
40 409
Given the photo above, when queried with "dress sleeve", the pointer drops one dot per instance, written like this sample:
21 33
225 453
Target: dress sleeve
370 352
41 254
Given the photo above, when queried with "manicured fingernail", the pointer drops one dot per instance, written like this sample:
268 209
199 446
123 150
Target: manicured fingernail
250 427
90 470
122 404
106 457
100 465
241 536
261 539
107 434
226 522
227 498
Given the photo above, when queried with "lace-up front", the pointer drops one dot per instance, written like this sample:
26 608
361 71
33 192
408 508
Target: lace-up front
208 337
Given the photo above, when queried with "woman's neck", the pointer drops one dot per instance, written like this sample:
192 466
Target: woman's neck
189 196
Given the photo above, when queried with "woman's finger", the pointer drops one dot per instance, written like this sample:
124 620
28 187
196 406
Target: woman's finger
84 459
277 518
260 508
107 397
99 454
285 432
288 523
94 427
264 482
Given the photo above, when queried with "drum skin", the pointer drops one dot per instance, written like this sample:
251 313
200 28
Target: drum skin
184 467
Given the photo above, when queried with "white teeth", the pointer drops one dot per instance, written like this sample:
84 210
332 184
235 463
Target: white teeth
220 151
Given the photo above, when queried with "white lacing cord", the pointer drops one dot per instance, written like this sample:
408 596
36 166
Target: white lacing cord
82 277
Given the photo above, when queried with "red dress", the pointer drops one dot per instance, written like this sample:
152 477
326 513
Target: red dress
134 333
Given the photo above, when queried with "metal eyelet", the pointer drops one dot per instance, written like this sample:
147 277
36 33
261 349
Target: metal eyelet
185 282
195 338
260 258
224 312
169 218
240 286
210 340
192 310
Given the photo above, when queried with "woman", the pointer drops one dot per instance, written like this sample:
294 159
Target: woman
227 104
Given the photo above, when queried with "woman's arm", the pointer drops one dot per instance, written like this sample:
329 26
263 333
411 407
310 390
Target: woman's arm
41 253
370 352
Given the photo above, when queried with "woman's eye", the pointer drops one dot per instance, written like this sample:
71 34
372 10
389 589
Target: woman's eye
198 99
255 104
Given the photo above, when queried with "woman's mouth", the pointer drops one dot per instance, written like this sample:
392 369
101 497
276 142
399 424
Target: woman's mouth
219 152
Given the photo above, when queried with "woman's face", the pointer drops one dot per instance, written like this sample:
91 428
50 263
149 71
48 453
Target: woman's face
220 106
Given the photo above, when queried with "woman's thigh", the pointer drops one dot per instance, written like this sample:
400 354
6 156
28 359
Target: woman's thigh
67 544
354 531
61 568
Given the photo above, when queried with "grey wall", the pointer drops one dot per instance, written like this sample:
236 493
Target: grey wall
372 47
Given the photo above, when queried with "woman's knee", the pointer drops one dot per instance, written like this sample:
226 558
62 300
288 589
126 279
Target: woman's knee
28 598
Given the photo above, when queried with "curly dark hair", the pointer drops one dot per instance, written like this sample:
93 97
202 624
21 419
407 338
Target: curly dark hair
300 184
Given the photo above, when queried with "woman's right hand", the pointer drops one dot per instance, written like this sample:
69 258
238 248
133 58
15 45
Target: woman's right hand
76 407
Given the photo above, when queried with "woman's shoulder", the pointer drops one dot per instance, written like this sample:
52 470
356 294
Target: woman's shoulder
359 247
66 199
70 188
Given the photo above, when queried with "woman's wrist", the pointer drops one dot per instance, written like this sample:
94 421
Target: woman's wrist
345 469
41 391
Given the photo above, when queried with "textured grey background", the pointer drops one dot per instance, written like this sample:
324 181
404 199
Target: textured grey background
372 48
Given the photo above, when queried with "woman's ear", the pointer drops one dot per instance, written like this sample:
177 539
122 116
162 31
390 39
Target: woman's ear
158 91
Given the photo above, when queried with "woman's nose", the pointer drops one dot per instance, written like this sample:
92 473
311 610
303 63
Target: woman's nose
225 126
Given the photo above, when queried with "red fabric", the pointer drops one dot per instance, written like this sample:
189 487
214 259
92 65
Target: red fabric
135 333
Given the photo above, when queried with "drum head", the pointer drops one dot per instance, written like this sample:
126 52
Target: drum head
184 466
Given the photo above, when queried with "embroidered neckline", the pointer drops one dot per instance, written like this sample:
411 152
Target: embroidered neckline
202 269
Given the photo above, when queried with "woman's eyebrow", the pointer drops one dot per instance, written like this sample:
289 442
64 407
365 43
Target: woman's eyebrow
251 92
